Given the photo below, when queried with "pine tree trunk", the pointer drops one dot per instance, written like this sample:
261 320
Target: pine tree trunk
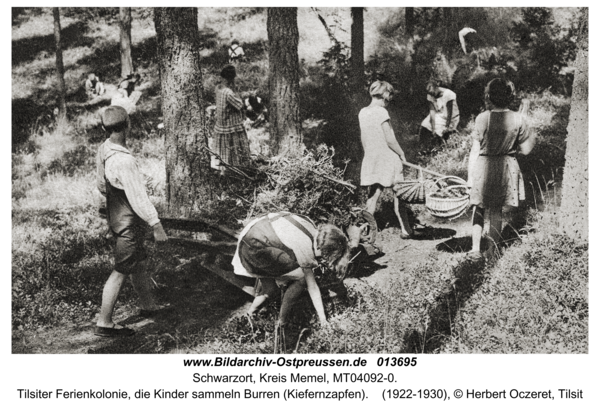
60 67
125 34
357 44
574 202
450 31
409 21
284 87
359 97
189 183
409 30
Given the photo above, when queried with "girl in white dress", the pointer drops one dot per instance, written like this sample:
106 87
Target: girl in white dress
382 163
443 113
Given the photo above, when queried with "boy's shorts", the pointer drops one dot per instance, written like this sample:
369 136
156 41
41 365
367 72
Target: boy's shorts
129 250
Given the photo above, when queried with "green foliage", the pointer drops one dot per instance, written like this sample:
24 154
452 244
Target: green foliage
79 159
326 95
108 14
336 64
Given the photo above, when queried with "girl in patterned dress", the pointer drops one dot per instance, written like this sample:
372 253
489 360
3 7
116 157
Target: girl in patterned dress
231 141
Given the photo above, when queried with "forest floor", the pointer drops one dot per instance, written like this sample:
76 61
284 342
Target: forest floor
418 295
199 301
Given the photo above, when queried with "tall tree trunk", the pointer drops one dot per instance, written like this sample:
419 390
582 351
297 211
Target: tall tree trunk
574 202
409 31
357 49
450 30
125 34
409 21
60 67
189 183
284 86
359 98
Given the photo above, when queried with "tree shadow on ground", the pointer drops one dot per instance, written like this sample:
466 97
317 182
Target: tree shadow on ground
199 303
27 116
27 49
469 276
432 233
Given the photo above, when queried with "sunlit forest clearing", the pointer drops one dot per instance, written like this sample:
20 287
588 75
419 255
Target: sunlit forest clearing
417 295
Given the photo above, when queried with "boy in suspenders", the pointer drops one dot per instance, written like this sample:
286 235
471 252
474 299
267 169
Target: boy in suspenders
127 208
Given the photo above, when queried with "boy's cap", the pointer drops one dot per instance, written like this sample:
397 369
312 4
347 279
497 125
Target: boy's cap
114 115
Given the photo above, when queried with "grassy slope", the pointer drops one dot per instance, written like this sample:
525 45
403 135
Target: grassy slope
58 250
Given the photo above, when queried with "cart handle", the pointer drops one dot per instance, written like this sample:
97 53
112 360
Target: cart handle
410 165
462 182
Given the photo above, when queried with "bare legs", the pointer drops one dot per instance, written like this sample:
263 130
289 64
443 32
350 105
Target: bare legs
477 220
109 299
495 227
399 209
141 284
402 217
269 290
374 194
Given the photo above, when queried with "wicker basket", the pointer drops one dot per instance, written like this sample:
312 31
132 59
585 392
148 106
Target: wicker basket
411 191
447 207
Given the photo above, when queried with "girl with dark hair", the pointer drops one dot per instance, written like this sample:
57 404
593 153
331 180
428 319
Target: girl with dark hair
231 141
494 175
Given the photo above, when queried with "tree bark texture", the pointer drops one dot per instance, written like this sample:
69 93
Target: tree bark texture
409 21
450 30
125 34
284 86
60 67
357 49
574 202
189 183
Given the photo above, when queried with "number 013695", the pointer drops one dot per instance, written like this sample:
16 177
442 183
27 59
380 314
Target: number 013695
397 361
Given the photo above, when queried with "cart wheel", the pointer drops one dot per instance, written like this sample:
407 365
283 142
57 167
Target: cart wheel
360 217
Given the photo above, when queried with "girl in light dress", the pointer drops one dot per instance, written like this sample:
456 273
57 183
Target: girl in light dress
382 163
